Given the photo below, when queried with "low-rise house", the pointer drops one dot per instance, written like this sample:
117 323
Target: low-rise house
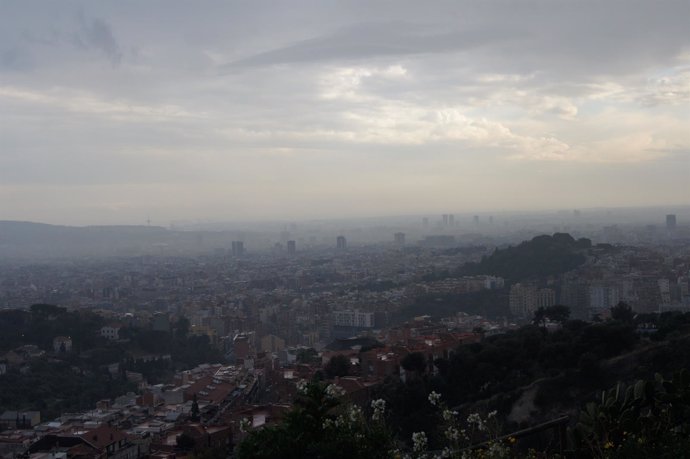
13 443
102 442
111 332
19 419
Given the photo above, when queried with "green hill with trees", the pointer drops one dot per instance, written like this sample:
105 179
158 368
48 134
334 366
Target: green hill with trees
540 257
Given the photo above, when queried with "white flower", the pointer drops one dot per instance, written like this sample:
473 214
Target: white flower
328 423
379 404
245 424
379 407
302 386
355 413
448 415
474 418
334 391
419 441
497 450
434 398
452 434
491 414
447 452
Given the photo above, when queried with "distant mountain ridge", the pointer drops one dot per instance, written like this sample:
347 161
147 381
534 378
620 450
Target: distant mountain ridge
25 226
20 239
15 232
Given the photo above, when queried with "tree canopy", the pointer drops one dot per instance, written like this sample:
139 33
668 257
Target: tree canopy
320 426
542 256
556 313
338 365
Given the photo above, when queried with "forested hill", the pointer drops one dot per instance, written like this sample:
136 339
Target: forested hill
542 256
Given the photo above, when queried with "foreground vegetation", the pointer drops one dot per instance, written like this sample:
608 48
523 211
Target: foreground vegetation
649 418
476 390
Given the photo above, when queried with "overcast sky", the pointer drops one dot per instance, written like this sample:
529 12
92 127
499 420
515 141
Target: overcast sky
114 111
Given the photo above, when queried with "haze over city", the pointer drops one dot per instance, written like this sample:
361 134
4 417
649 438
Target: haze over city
120 112
358 229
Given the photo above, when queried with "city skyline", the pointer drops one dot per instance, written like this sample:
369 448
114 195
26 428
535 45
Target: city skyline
116 113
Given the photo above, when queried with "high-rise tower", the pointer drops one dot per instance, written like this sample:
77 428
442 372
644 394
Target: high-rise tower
671 221
237 248
399 238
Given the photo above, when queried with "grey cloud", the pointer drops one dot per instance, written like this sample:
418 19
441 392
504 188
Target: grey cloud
562 38
260 83
15 59
97 33
376 40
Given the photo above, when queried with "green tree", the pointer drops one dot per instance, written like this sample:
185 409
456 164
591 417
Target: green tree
308 355
195 410
320 426
338 365
650 418
181 328
540 317
185 442
558 313
414 361
622 312
47 310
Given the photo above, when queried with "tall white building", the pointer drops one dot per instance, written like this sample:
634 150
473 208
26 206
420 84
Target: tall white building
525 299
350 318
603 296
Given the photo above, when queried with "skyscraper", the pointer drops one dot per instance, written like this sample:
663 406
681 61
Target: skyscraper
671 221
237 248
341 243
291 247
399 238
451 220
445 219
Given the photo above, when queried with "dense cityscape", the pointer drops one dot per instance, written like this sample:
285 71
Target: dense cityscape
344 229
173 352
